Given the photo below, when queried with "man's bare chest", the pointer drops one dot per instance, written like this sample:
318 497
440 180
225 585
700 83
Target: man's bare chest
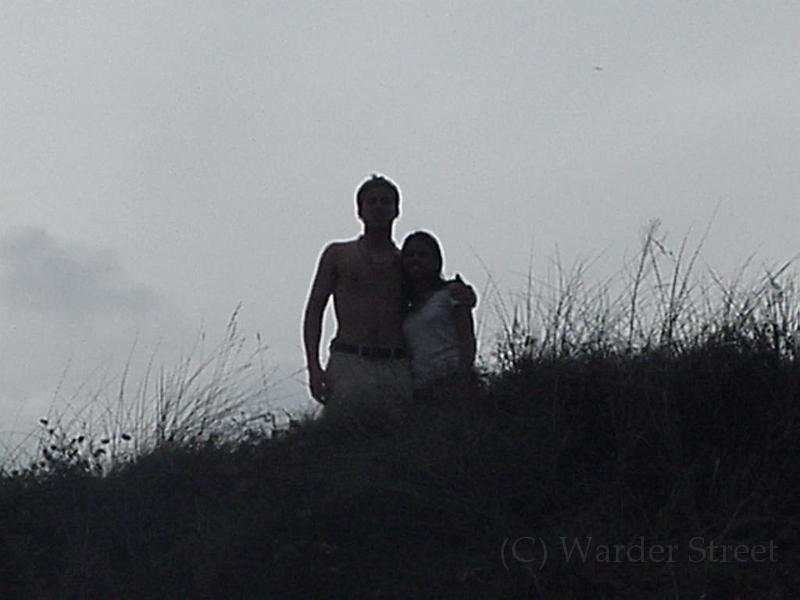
357 276
367 281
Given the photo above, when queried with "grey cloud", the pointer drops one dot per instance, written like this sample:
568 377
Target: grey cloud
43 274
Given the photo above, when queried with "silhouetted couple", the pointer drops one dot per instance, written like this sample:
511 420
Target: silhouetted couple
404 335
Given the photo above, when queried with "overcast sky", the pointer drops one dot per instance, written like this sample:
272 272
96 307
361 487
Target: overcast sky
163 162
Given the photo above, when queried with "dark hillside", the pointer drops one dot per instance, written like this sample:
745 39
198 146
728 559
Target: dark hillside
695 450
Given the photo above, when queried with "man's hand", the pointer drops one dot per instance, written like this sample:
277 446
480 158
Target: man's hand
461 293
318 385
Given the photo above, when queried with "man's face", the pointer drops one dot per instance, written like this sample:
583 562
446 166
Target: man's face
378 207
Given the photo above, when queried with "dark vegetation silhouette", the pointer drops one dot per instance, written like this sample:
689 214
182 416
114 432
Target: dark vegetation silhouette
667 416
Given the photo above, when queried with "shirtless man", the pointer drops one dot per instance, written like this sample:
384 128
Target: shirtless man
368 364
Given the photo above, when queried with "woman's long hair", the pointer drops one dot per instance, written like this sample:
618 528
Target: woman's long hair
433 244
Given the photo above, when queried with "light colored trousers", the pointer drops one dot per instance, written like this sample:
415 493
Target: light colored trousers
361 384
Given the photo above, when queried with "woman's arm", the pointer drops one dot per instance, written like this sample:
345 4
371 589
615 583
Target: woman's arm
465 328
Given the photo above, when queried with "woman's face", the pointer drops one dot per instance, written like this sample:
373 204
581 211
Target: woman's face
420 260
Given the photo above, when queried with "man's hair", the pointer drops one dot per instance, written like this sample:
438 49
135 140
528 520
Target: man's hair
377 181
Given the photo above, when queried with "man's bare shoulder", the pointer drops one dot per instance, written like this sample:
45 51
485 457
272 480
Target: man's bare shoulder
339 251
340 246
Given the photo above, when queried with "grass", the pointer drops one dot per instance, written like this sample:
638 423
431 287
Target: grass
212 393
661 422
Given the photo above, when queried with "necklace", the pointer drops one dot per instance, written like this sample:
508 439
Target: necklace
378 264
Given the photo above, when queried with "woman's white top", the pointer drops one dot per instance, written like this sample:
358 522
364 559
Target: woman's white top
432 339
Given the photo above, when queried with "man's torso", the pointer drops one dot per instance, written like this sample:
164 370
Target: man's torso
367 298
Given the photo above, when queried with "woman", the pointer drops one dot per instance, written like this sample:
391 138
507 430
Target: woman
439 330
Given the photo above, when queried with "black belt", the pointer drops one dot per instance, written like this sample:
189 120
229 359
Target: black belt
368 351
